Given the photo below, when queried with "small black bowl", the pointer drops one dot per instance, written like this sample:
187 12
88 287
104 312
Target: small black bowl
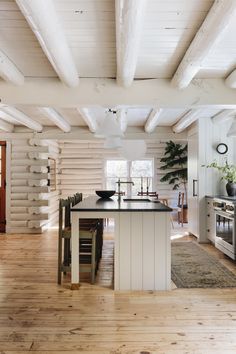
105 194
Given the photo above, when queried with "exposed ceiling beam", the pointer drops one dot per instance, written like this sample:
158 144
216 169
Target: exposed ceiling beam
221 14
83 133
7 127
9 72
122 118
56 118
152 120
129 18
211 93
186 120
21 118
89 120
44 22
223 116
230 81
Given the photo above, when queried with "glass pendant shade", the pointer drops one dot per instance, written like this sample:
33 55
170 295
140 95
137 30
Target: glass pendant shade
133 149
109 127
113 142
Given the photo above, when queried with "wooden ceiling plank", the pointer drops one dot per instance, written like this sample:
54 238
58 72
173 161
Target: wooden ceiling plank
44 22
209 34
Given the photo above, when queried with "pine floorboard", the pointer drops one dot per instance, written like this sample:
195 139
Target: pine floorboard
37 315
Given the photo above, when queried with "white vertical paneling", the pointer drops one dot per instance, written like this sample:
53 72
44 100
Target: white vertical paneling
117 251
125 251
137 251
148 231
162 251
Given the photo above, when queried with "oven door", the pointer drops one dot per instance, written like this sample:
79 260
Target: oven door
225 233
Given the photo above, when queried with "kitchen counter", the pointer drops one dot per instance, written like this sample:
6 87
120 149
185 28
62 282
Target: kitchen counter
112 204
223 197
142 241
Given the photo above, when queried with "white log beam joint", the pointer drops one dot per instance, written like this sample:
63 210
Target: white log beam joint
89 120
218 19
223 116
129 19
230 81
44 22
122 119
152 120
56 118
21 118
186 120
9 72
7 127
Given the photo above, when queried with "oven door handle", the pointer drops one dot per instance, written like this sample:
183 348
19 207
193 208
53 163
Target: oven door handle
224 214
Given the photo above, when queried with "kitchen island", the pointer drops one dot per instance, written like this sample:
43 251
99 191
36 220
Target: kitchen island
142 241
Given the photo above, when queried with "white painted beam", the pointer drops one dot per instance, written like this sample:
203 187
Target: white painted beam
89 120
106 93
44 22
152 120
230 81
122 118
81 134
21 118
129 19
221 14
9 72
223 116
56 118
187 119
7 127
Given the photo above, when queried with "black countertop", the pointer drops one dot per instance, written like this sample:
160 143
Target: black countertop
94 203
223 197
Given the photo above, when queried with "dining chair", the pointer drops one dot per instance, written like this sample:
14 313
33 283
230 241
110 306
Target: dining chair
88 249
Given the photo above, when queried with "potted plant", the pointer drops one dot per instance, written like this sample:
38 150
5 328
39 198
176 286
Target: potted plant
176 159
228 174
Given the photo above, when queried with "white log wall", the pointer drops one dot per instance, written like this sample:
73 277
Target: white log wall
33 207
82 167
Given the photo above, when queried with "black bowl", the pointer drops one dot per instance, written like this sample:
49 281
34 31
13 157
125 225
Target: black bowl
105 194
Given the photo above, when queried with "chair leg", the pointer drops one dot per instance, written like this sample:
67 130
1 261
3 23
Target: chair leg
59 259
93 258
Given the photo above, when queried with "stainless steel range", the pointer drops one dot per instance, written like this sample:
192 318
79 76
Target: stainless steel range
225 219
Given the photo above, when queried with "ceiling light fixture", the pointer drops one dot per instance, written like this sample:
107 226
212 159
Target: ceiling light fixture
109 127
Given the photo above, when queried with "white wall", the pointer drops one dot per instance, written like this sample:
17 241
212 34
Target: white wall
32 206
82 166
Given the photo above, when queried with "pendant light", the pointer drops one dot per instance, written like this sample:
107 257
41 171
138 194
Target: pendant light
109 127
113 142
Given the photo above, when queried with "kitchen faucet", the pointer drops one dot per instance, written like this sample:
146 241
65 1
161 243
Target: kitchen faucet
119 182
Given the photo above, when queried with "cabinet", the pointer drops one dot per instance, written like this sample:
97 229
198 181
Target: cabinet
193 199
210 220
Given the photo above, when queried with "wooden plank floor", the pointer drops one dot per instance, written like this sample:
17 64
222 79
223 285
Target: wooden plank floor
37 315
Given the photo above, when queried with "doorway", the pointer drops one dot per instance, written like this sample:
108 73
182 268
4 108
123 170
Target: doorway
2 186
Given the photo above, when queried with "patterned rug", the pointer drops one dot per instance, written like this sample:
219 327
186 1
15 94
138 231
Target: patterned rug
192 267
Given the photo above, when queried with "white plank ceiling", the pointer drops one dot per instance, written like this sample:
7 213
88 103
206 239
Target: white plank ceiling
90 28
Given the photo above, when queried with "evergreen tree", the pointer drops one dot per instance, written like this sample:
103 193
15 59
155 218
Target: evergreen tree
175 157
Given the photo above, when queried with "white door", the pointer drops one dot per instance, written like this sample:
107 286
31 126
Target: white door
193 203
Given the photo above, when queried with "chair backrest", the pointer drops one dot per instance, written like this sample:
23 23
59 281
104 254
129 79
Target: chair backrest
181 200
64 214
78 198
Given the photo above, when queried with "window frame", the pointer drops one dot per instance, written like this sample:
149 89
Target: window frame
129 164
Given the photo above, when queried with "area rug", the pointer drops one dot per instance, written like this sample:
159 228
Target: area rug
192 267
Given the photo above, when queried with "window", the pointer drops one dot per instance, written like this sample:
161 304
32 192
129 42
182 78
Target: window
141 172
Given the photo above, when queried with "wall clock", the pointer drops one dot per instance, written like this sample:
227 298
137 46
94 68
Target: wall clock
222 148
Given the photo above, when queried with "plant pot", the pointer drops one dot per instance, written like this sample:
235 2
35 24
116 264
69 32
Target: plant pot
231 189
